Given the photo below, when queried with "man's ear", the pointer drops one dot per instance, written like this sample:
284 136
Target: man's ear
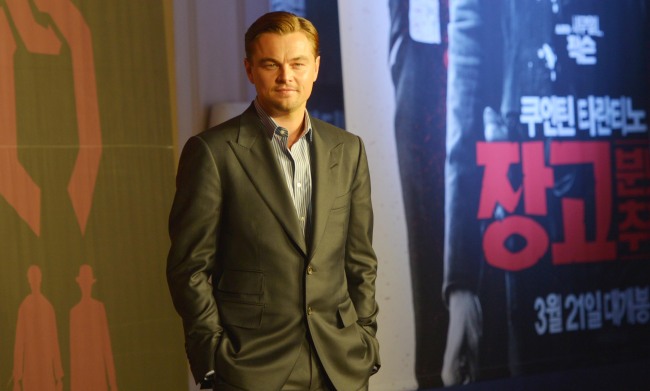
249 70
316 67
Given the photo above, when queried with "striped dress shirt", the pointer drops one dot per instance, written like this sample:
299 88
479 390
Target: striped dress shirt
295 163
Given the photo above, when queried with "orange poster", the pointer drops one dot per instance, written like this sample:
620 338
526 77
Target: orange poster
86 180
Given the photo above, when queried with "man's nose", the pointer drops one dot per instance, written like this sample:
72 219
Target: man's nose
285 73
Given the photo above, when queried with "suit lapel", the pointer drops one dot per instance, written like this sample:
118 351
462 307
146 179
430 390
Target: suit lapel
255 155
326 157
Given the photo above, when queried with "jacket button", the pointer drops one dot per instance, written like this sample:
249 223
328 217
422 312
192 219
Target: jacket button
309 310
310 270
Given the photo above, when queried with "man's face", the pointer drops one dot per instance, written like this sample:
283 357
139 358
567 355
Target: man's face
283 70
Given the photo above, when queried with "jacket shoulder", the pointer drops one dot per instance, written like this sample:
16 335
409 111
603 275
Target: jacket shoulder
223 132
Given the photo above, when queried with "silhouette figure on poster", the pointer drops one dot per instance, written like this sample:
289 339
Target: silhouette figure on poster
91 356
37 359
16 184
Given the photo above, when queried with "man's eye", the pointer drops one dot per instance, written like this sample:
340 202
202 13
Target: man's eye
270 66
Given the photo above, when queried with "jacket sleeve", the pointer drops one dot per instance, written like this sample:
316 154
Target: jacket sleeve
193 230
360 258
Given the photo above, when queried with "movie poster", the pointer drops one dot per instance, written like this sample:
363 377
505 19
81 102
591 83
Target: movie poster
543 261
86 180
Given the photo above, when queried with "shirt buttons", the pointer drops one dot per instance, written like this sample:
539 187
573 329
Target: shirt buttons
309 311
310 270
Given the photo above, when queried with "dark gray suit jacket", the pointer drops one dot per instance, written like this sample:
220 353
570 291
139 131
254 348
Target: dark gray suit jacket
247 284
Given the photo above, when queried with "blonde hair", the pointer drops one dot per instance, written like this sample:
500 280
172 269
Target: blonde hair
281 23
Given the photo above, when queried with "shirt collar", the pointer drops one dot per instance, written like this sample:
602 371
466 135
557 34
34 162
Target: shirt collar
271 127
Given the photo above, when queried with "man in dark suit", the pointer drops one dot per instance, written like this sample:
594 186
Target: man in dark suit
271 265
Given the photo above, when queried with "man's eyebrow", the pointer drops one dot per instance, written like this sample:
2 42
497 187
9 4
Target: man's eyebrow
271 59
267 59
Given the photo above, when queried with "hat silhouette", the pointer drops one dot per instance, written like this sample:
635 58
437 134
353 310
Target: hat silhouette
85 275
